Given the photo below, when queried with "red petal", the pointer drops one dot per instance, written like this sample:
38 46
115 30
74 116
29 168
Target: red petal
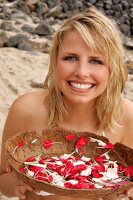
41 178
70 137
42 160
68 185
35 169
47 144
68 168
41 174
82 185
23 170
100 159
81 167
109 146
20 144
31 159
96 175
128 171
81 142
97 168
50 178
82 178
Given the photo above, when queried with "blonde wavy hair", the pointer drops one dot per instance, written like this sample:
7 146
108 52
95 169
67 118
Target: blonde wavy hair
100 34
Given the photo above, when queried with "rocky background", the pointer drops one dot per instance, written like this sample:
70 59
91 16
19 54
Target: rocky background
26 30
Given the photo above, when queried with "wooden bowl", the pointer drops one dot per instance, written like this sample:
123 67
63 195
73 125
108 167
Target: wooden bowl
31 144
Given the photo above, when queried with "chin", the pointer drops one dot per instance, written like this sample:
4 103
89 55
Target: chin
80 100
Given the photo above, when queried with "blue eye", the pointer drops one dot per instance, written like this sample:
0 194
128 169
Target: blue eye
70 58
96 61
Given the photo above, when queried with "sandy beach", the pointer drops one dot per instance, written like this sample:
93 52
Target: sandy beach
20 72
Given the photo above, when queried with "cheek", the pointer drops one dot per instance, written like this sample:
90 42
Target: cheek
104 74
62 71
102 77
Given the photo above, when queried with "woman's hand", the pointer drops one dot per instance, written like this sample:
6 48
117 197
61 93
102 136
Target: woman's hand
128 193
20 186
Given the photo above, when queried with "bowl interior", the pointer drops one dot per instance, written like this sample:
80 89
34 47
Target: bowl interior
56 142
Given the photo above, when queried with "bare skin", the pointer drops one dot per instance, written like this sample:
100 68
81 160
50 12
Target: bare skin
26 116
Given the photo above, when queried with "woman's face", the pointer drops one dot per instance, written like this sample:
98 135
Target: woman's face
81 74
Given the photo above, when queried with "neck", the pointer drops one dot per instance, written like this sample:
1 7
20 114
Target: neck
81 117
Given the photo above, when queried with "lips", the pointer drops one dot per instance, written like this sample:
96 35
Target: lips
81 86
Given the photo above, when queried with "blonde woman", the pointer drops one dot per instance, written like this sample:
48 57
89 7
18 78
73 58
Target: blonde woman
82 91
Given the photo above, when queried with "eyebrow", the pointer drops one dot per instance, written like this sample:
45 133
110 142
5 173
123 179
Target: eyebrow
97 57
92 57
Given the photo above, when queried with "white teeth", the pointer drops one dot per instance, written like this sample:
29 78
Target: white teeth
81 85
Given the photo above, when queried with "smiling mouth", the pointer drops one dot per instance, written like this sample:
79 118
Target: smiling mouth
81 86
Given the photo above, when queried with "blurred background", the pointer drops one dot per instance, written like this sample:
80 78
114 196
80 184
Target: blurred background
26 30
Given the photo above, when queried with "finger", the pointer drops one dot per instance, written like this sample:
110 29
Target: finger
20 189
22 197
130 192
29 188
121 195
8 168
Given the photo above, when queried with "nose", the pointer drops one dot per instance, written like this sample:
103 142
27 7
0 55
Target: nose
82 69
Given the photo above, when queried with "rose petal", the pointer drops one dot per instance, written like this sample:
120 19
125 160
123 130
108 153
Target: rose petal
81 142
70 137
47 144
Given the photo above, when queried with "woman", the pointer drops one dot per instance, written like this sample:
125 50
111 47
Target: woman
83 91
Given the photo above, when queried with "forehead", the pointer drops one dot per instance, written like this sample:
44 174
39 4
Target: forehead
73 41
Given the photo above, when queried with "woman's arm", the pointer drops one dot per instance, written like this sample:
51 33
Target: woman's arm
127 138
17 121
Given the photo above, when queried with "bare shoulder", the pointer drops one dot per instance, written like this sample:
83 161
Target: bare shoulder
128 110
128 123
30 99
28 112
24 113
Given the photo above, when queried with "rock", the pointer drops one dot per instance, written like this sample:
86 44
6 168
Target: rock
14 41
19 15
128 42
42 8
54 12
42 29
28 28
116 1
7 26
25 45
35 84
64 7
25 9
117 7
125 29
31 2
3 38
40 44
129 64
78 5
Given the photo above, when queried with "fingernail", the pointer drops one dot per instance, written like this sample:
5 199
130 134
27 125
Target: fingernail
29 188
